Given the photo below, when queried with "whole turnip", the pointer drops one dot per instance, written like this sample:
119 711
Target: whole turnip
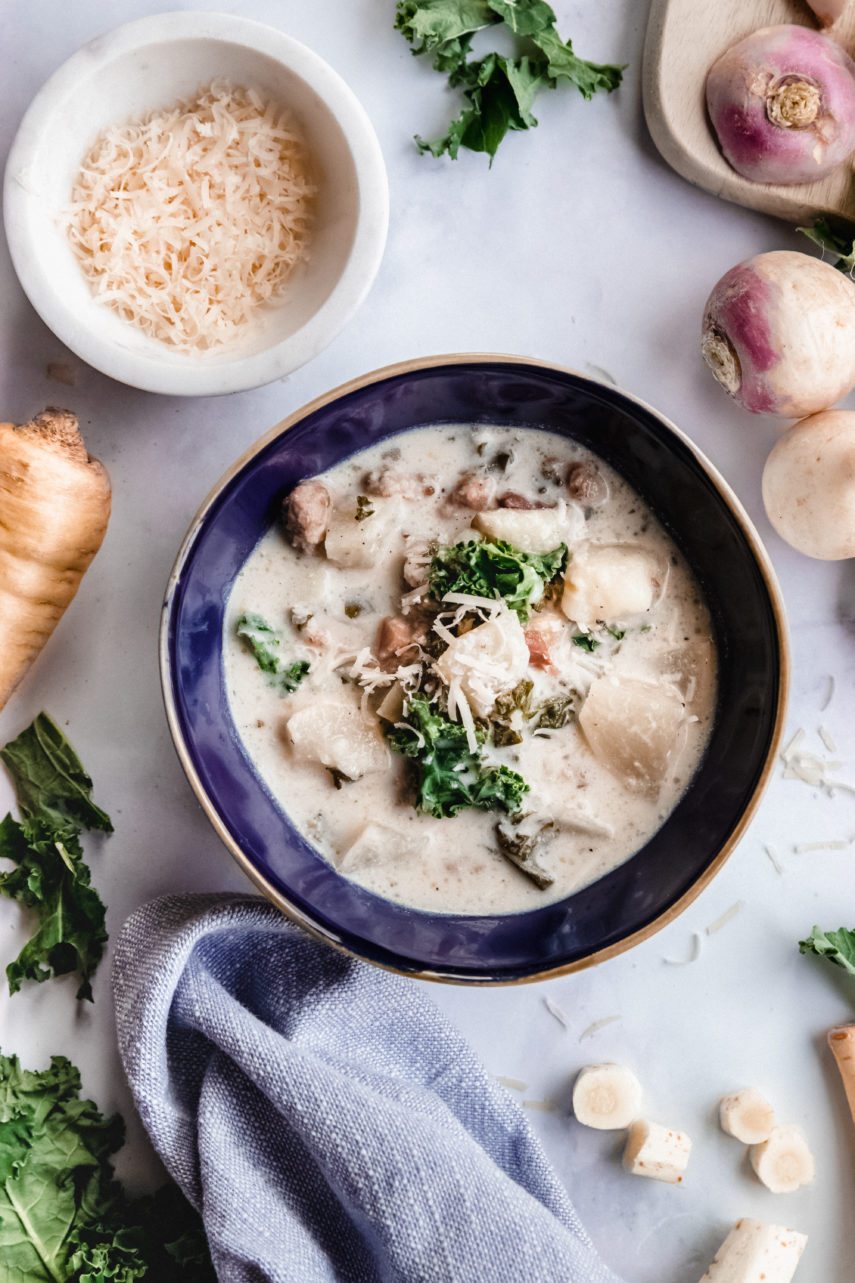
782 104
779 334
809 485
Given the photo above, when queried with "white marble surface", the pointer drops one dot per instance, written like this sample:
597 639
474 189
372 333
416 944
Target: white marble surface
579 246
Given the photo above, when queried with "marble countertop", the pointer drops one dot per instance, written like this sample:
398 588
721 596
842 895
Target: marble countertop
579 246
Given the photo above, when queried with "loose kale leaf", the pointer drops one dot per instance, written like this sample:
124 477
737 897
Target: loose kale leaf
49 778
837 946
63 1216
443 28
449 776
563 64
499 90
495 569
263 642
840 244
52 879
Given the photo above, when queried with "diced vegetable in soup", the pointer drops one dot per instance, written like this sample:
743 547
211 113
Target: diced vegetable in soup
472 667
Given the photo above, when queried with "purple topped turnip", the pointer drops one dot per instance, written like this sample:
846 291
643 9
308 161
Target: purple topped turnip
779 334
782 104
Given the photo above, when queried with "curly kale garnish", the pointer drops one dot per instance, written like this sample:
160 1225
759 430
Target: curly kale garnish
494 568
499 90
449 776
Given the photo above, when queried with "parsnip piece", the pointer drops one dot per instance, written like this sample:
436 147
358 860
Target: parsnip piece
784 1162
486 661
363 543
339 737
746 1115
754 1251
379 844
841 1040
54 509
636 729
658 1152
606 1096
533 530
611 584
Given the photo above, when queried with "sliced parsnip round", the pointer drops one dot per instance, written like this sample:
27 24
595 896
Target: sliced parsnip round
606 1096
662 1153
783 1162
746 1115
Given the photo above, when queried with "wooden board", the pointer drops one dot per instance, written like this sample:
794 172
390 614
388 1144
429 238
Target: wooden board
684 38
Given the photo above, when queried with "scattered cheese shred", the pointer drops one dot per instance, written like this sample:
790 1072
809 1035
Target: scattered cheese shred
725 918
544 1106
597 1026
827 740
835 845
556 1011
513 1083
772 854
186 220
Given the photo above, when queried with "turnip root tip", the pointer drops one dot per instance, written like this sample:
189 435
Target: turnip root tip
55 502
778 334
782 104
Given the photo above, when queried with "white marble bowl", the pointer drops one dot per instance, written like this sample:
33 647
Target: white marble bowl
152 63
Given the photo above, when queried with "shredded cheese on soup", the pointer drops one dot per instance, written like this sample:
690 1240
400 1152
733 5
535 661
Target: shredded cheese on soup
188 219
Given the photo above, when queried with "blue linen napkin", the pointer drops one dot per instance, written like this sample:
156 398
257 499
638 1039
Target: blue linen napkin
323 1116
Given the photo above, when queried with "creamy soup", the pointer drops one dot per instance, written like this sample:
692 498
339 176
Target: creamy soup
472 668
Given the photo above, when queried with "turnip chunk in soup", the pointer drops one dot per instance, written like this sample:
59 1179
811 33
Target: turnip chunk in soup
511 675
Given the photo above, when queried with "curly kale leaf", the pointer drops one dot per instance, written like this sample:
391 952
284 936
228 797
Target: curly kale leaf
49 778
449 776
495 569
837 946
51 877
498 90
63 1216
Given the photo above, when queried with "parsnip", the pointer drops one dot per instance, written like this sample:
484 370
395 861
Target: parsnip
54 509
655 1151
841 1040
754 1251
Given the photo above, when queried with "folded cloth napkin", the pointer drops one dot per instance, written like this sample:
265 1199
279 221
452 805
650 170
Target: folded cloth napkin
323 1116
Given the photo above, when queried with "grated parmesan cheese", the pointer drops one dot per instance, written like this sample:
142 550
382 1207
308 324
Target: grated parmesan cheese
186 220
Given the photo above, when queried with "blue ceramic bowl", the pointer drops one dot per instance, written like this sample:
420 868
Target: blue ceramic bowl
696 507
